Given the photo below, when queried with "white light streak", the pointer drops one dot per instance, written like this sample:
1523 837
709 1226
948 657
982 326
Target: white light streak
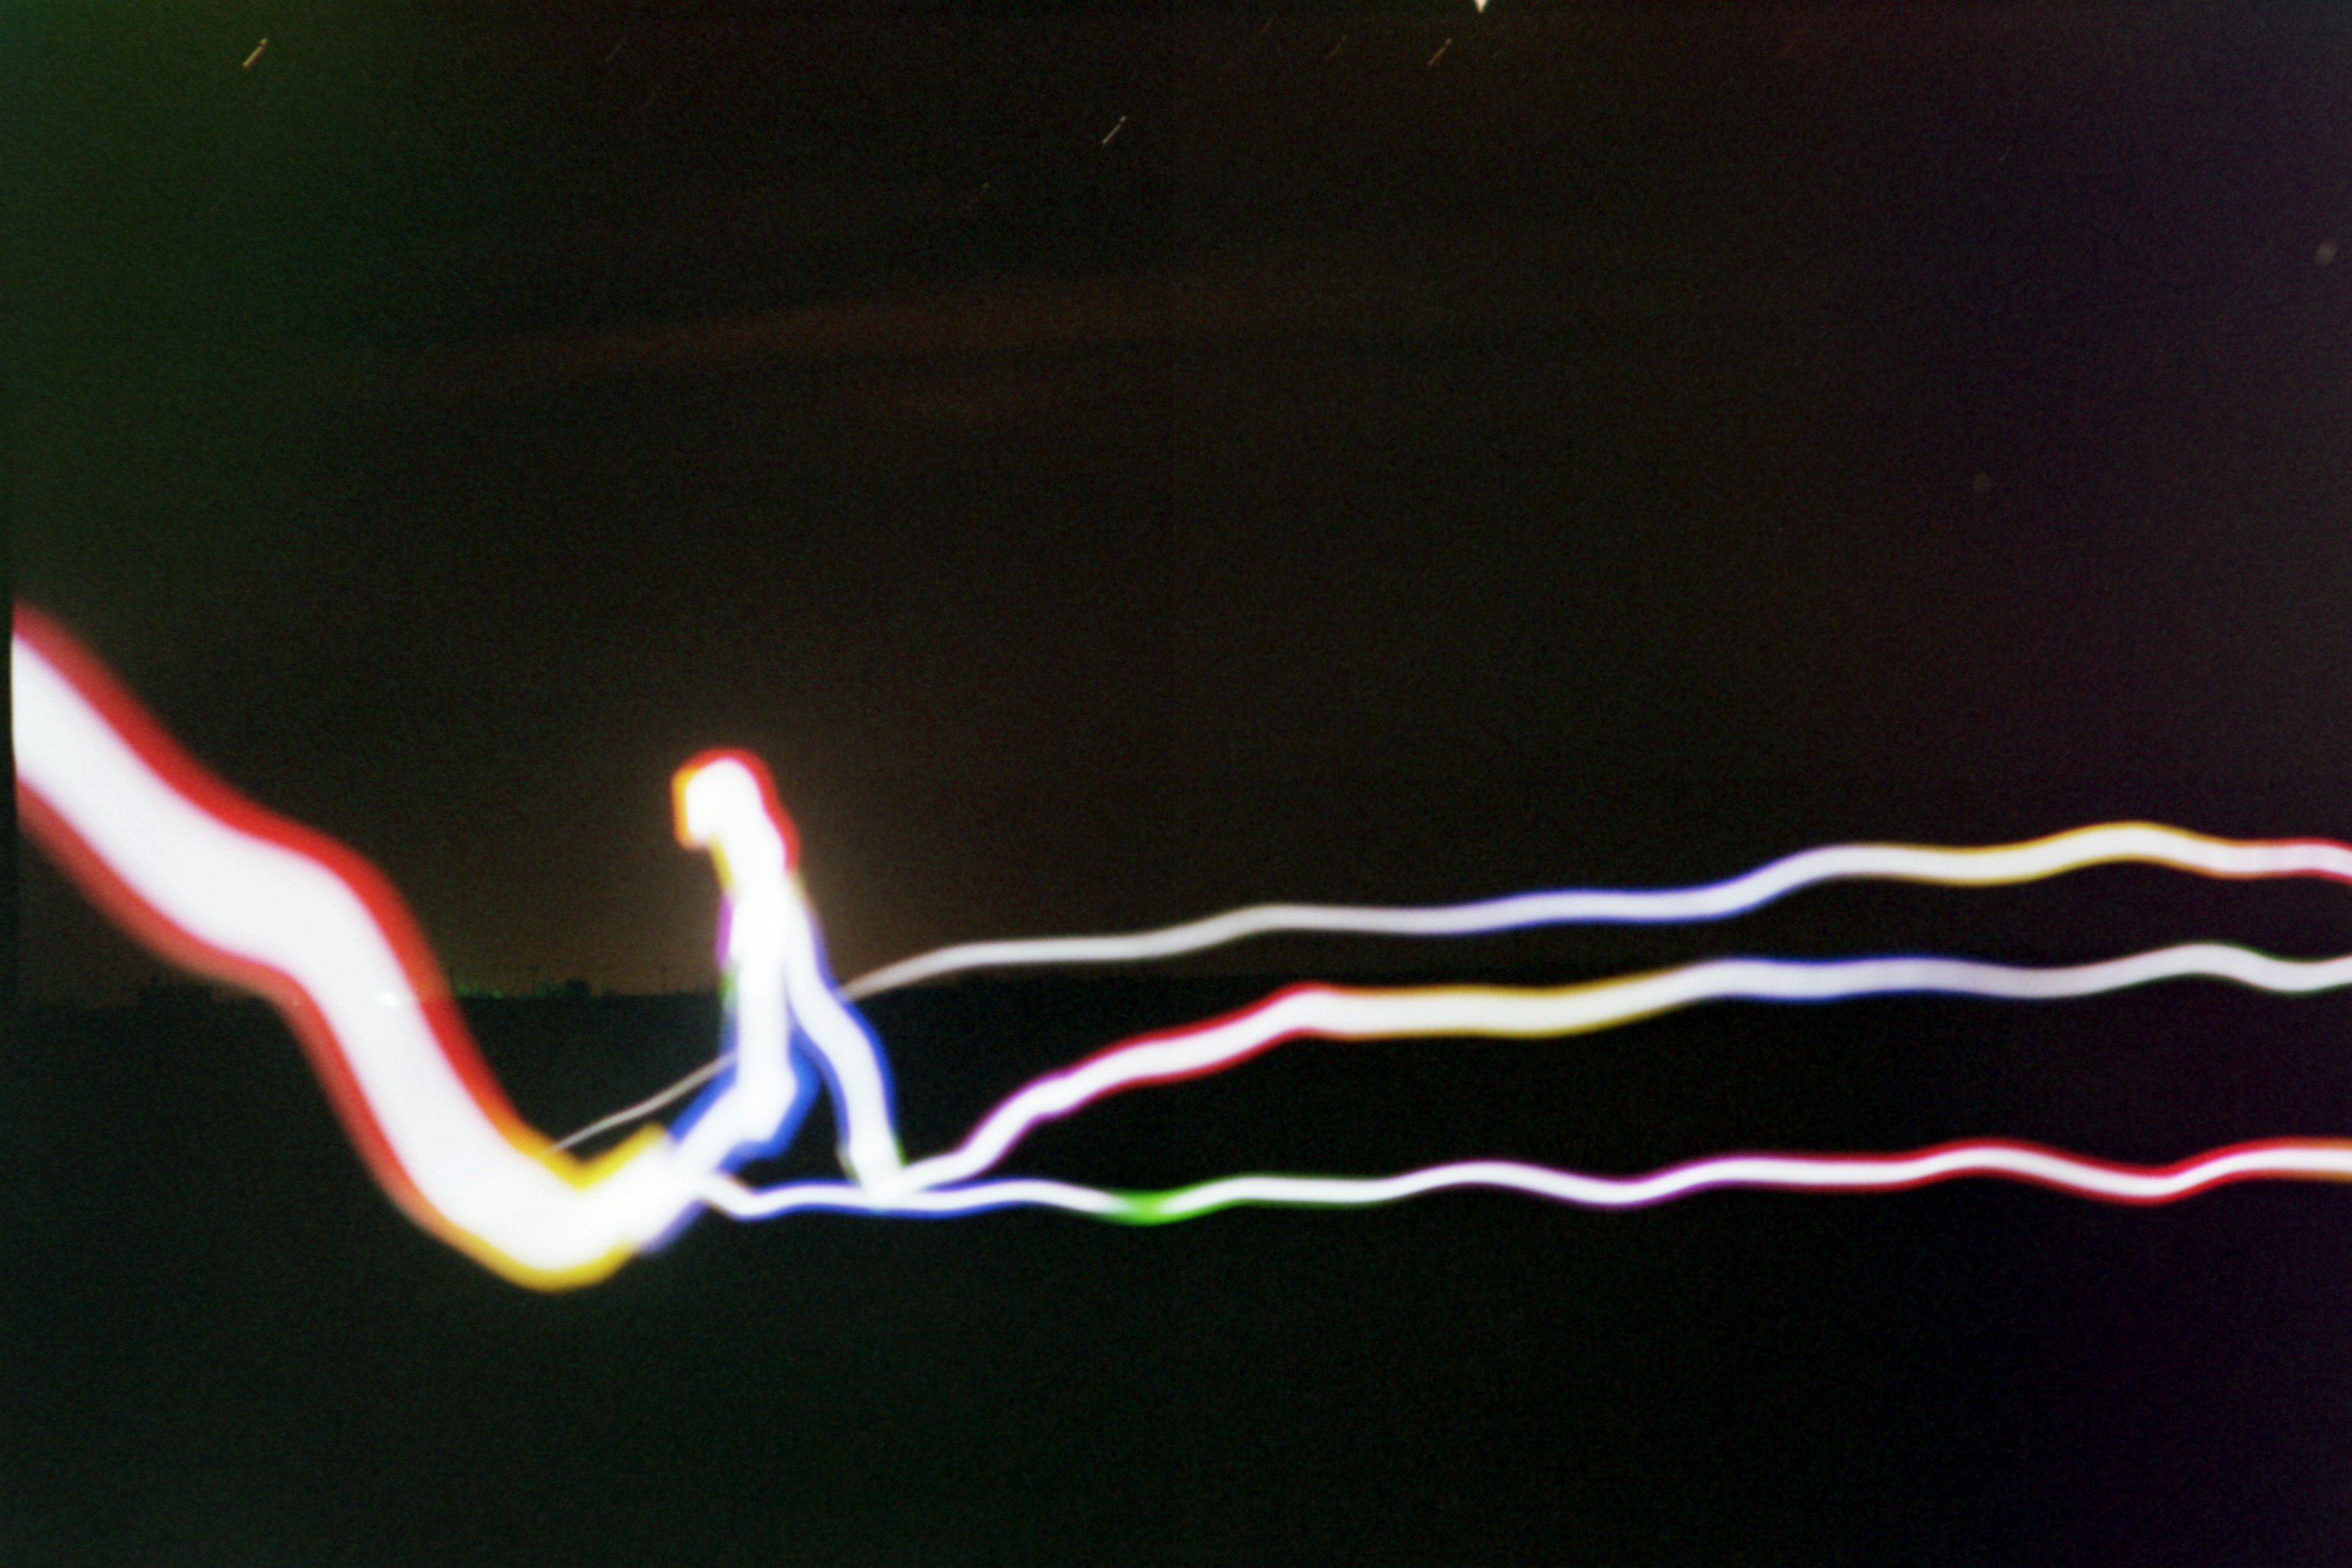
2114 842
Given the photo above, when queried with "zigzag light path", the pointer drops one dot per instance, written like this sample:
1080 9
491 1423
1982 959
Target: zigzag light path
215 883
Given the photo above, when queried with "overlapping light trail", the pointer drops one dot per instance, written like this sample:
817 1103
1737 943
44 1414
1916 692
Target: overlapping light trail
215 883
2118 843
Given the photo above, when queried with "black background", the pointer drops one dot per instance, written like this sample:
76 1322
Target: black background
1618 448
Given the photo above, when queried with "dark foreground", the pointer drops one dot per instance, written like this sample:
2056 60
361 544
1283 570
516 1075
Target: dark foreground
226 1348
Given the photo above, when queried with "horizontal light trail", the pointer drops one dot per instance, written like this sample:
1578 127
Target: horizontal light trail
212 881
2281 1159
1335 1013
2274 1160
2114 843
730 1196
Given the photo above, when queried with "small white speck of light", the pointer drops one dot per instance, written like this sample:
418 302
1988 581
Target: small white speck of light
1114 131
2324 253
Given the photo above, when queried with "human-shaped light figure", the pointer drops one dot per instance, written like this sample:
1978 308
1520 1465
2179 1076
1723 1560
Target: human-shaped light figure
776 989
212 881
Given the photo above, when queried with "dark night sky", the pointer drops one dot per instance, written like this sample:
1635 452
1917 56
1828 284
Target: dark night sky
1634 444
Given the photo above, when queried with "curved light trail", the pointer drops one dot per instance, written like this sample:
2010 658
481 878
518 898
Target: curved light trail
217 884
212 882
